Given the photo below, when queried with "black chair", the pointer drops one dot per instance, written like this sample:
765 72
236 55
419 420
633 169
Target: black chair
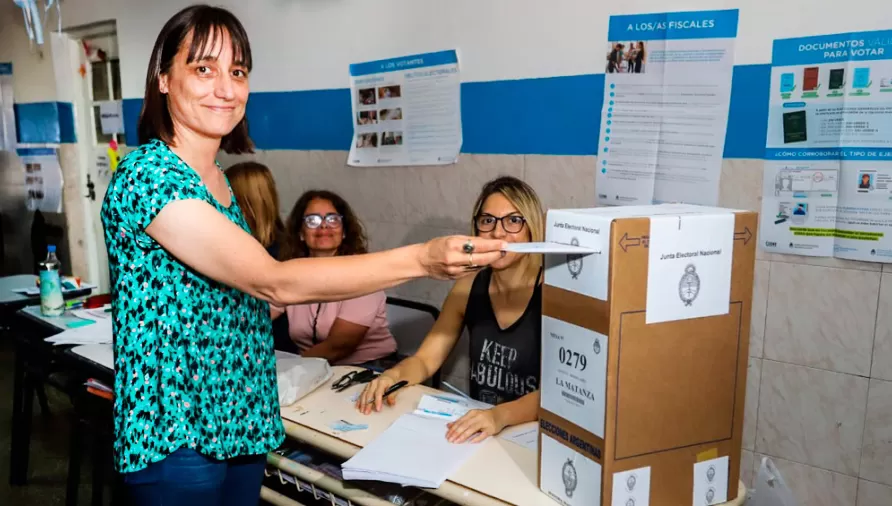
410 322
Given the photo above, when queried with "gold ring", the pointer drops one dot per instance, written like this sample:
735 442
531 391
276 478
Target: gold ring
471 261
468 247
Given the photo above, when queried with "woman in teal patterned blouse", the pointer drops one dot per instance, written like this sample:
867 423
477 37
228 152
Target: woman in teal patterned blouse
196 404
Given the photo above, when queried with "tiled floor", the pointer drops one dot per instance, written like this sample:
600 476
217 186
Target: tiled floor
48 466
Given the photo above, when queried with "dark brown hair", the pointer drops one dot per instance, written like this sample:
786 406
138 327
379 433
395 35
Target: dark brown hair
206 24
354 243
255 191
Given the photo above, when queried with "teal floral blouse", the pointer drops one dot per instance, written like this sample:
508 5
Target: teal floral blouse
194 359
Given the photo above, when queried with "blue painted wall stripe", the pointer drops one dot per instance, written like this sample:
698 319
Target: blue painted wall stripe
45 123
67 130
748 115
131 107
550 116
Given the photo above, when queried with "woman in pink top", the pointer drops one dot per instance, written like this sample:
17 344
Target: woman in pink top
349 332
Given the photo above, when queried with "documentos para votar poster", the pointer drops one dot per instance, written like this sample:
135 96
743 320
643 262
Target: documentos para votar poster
828 167
406 111
667 91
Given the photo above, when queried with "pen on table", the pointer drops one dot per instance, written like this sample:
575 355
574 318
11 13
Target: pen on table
393 388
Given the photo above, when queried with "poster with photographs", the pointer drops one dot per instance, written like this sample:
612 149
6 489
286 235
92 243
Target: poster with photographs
406 111
7 113
43 179
667 92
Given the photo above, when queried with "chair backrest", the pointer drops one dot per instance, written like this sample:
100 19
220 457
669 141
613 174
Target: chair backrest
410 322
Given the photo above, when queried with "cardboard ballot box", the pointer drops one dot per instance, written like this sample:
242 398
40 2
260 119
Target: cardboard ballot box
644 355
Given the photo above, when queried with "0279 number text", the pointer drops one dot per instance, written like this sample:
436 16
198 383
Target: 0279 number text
572 358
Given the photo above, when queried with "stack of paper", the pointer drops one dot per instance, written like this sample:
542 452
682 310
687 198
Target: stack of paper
99 332
411 452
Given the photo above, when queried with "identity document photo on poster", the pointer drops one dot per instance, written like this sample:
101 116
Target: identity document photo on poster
827 184
43 179
406 111
667 91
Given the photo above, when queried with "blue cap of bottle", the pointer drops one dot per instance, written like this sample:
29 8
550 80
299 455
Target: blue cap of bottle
51 248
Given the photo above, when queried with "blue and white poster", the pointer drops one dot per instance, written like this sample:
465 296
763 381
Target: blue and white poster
43 179
827 187
406 111
667 91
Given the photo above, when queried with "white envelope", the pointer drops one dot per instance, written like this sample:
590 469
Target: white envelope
549 248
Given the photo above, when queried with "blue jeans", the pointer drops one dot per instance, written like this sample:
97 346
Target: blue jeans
188 478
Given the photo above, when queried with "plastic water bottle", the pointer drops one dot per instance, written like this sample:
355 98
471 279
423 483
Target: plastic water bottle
51 301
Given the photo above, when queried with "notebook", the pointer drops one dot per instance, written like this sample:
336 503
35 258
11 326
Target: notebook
413 451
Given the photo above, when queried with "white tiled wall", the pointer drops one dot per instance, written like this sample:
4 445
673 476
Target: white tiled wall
819 390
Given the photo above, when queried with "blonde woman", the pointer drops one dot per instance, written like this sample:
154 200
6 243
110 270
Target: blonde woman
502 309
255 193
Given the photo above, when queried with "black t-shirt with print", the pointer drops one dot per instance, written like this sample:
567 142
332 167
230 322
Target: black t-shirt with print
505 363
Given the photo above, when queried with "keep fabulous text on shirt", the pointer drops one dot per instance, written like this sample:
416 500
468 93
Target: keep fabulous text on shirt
494 370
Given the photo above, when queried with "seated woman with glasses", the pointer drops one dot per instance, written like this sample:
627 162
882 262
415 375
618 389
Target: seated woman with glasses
349 332
502 309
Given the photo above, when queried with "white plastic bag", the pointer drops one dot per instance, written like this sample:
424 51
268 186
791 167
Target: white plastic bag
299 376
770 487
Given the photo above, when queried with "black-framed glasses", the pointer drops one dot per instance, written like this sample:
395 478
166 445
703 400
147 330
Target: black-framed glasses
512 223
332 220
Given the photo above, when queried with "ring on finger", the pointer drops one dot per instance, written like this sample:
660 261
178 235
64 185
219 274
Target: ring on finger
468 247
471 261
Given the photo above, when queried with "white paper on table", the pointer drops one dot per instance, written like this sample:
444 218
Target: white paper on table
413 451
528 438
711 482
549 248
631 487
102 354
689 266
97 333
